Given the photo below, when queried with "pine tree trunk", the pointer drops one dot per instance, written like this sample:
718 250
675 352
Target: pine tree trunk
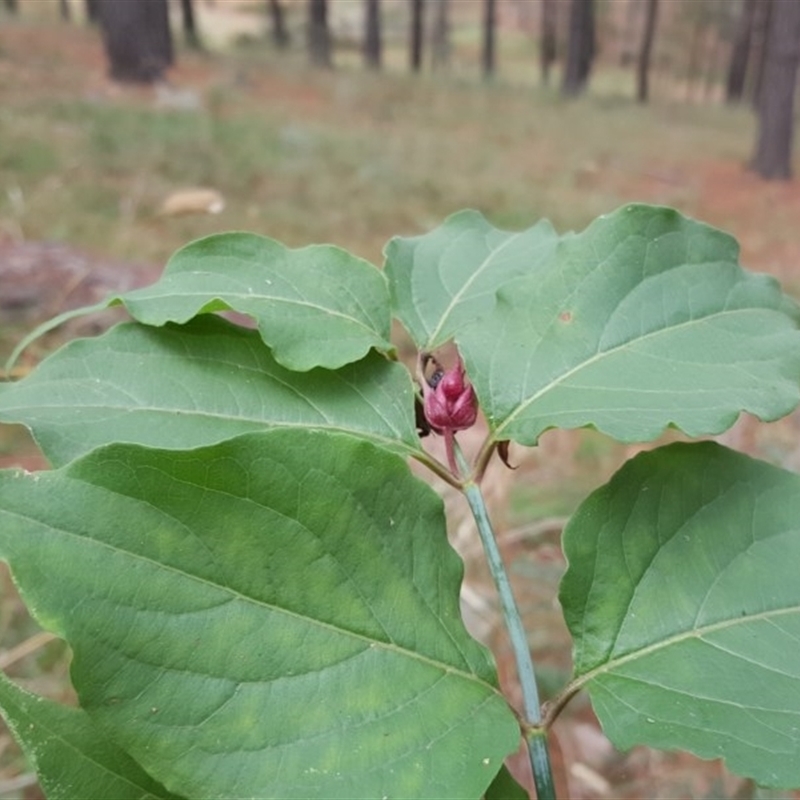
643 69
580 48
137 39
319 36
773 155
547 43
416 34
740 53
440 35
280 36
372 34
189 24
489 23
761 24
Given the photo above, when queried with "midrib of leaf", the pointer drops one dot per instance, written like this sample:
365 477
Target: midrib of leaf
236 595
460 293
603 353
253 296
693 633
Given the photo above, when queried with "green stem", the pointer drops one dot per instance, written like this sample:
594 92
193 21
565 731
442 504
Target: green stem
535 736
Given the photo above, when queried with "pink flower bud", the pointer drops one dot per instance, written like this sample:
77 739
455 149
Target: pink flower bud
451 404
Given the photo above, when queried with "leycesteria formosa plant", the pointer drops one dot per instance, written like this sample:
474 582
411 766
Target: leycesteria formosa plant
259 596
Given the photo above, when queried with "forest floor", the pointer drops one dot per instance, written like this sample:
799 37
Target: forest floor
353 159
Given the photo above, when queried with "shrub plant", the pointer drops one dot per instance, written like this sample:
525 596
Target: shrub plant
260 597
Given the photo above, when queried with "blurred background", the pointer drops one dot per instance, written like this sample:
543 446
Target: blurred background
129 127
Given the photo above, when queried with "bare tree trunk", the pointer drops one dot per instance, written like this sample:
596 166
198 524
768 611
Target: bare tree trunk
189 24
416 34
280 35
643 70
137 39
12 6
92 11
319 35
773 155
64 10
489 24
761 25
547 42
740 53
580 48
372 34
440 35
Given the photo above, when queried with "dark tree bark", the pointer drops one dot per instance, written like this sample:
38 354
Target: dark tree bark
12 6
416 34
643 66
64 10
372 34
547 45
137 39
319 34
93 11
189 24
489 25
440 35
761 23
773 155
280 34
580 47
740 53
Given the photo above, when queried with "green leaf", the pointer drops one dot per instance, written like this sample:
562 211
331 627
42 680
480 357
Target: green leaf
71 756
642 321
185 386
442 280
505 787
683 600
273 616
315 306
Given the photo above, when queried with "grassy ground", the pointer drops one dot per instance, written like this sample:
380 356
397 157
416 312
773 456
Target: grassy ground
352 158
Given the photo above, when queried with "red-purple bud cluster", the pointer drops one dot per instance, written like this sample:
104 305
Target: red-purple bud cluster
450 404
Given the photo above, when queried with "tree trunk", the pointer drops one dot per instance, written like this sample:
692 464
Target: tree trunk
440 35
372 34
137 39
740 53
643 67
189 25
93 11
580 47
416 34
64 10
773 156
319 35
12 6
547 44
280 35
758 56
489 20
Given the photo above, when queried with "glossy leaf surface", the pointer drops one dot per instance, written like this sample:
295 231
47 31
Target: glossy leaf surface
642 321
444 279
683 601
72 757
191 385
273 616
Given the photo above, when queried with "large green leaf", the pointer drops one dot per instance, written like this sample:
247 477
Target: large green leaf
683 599
442 280
185 386
642 321
315 306
273 616
72 757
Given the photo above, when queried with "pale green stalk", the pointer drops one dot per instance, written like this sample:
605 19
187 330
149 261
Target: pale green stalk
535 734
